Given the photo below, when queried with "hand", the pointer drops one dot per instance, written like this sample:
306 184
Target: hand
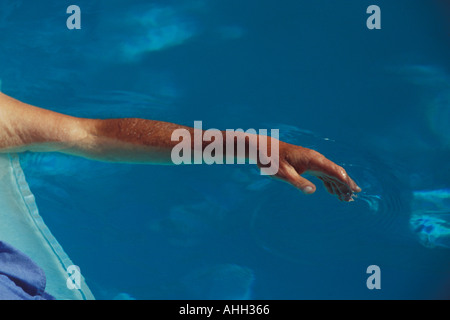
296 160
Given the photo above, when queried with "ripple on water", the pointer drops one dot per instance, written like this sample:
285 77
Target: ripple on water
319 227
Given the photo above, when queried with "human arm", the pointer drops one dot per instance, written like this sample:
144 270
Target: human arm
28 128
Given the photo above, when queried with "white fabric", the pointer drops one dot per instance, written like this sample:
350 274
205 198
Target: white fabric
22 227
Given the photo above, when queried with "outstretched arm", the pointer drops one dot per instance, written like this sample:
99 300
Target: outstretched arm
28 128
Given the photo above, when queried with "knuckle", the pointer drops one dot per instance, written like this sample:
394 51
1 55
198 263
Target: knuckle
342 172
314 156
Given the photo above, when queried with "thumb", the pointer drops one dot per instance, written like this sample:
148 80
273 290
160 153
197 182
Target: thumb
291 175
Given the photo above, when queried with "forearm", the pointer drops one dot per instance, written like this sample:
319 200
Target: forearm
150 141
24 127
129 140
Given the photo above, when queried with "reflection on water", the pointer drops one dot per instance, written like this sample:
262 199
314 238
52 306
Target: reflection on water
153 28
433 229
431 218
434 87
114 36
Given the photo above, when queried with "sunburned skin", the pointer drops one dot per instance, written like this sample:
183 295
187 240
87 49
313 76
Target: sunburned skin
24 127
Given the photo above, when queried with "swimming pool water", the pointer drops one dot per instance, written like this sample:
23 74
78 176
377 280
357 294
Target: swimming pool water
374 101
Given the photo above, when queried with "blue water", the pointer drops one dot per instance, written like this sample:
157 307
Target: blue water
375 101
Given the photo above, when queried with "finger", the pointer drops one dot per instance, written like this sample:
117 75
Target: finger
344 193
349 181
291 175
337 188
328 187
342 187
334 189
321 165
327 184
340 190
354 186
